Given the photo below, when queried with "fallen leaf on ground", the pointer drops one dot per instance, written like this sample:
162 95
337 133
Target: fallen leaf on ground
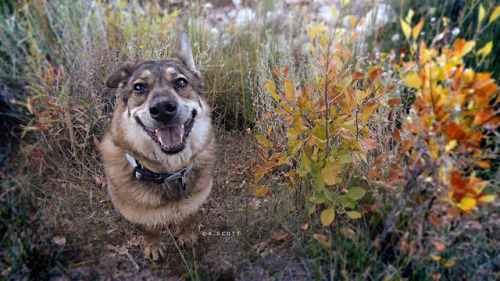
322 240
59 240
281 236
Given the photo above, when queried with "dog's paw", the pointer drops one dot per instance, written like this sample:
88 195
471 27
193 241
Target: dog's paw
156 250
188 240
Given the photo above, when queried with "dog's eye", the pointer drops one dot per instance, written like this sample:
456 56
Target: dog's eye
139 88
181 83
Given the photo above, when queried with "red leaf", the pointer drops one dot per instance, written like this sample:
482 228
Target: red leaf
493 123
439 246
358 75
38 155
483 115
435 221
407 145
396 136
374 174
376 74
277 72
393 102
453 132
369 144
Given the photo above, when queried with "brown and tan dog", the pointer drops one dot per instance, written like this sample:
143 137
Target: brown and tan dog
159 151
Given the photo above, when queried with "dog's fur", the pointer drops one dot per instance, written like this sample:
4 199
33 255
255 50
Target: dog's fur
150 205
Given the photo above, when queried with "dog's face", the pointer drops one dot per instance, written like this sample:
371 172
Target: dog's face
164 98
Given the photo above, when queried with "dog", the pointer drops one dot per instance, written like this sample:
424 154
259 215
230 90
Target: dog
159 152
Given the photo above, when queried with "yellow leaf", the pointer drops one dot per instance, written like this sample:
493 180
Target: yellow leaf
417 28
487 198
260 190
334 11
484 164
436 258
311 47
486 49
282 160
413 81
468 47
259 176
353 37
306 164
367 113
327 216
264 141
451 145
467 76
313 31
406 29
495 14
353 21
289 91
271 86
345 2
354 215
329 173
482 14
467 203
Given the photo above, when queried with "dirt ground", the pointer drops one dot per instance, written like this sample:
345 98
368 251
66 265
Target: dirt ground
233 244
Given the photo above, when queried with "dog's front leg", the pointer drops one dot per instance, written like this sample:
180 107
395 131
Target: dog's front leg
185 234
153 247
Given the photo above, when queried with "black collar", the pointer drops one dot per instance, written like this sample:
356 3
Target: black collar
147 175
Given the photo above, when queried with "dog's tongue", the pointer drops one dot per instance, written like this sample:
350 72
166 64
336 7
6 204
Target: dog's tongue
170 136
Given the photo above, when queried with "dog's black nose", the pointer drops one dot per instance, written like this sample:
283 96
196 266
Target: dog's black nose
163 110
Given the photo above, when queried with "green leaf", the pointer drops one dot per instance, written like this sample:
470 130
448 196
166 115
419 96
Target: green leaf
319 183
264 141
301 172
356 193
354 215
482 14
318 198
495 14
345 158
329 195
327 216
346 202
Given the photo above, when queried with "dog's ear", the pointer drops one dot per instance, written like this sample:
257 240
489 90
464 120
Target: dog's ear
182 51
121 74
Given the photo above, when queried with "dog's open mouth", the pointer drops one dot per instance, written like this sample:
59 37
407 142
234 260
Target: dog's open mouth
172 138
